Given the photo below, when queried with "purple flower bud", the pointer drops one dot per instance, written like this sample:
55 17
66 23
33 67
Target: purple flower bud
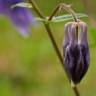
21 17
76 51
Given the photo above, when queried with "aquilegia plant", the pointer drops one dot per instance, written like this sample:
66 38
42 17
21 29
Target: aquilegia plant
76 49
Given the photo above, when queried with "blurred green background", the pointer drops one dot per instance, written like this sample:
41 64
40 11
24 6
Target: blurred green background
30 67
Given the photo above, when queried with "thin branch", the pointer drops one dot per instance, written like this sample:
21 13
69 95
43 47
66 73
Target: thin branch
76 91
48 29
40 14
63 6
54 43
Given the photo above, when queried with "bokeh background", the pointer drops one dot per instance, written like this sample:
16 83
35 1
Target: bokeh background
30 67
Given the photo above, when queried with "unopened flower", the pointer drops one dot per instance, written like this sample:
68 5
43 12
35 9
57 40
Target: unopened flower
21 17
76 51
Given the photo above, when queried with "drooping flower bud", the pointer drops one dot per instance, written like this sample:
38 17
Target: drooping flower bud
76 51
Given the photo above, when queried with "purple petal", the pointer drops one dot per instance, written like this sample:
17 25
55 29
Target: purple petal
5 5
20 17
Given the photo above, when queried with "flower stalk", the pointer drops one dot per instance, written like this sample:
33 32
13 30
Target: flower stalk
49 31
63 6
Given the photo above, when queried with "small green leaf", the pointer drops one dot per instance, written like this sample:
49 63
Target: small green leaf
22 4
61 18
67 16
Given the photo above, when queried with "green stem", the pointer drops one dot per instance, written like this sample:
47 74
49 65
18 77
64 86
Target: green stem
54 43
65 7
36 8
68 8
48 29
54 12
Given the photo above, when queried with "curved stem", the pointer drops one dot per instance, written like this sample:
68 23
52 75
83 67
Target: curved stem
68 8
65 7
54 12
48 29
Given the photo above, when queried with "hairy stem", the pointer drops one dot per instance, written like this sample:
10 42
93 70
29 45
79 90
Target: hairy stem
48 29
